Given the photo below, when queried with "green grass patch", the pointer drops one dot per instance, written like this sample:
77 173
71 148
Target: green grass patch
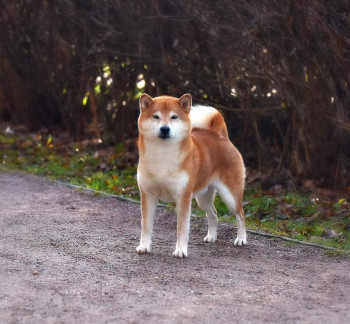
76 165
295 215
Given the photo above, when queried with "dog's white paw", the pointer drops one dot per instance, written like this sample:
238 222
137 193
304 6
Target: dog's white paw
143 248
210 238
180 253
240 240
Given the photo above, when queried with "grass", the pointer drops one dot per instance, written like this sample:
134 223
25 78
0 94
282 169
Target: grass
297 216
291 214
75 164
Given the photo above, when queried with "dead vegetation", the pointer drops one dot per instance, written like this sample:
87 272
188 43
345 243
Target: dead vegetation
278 70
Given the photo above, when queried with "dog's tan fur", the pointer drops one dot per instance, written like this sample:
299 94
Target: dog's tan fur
193 161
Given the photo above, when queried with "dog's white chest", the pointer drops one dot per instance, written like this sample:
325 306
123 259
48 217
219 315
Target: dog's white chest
165 184
159 174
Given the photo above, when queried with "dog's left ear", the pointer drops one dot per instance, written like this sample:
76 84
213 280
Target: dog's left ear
145 101
185 102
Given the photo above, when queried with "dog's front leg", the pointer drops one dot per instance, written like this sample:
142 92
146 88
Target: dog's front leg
148 209
183 210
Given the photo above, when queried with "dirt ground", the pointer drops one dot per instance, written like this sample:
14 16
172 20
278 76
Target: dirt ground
69 257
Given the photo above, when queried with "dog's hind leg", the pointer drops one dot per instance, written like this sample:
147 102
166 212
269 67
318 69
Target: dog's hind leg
205 202
234 204
241 232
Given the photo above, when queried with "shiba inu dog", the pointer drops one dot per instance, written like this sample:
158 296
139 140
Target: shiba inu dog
185 152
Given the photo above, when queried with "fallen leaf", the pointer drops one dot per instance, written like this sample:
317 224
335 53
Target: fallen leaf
329 233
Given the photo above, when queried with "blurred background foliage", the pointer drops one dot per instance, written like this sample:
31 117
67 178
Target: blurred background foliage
278 70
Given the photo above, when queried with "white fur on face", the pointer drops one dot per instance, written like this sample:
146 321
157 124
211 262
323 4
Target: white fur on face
179 129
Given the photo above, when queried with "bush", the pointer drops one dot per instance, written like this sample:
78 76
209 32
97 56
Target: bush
279 70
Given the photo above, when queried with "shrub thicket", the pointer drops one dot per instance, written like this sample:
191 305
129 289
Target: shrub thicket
279 70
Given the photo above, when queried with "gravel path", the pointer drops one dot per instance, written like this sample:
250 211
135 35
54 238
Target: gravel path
69 257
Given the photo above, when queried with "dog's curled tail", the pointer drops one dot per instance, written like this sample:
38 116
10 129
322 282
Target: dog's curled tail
206 117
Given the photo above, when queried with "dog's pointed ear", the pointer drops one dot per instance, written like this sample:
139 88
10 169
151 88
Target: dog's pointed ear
145 101
185 102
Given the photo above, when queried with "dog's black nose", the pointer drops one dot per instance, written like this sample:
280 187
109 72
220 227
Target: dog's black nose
164 131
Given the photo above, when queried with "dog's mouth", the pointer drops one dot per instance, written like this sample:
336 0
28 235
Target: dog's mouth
164 136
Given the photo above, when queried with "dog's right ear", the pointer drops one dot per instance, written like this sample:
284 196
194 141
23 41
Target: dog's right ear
145 101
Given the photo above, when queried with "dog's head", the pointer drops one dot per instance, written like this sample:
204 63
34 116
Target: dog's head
165 118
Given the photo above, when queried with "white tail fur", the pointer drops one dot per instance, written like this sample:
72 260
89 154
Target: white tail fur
206 117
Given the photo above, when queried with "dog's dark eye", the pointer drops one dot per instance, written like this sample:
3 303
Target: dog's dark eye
155 117
174 117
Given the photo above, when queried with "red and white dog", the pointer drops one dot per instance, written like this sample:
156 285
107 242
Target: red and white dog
185 152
